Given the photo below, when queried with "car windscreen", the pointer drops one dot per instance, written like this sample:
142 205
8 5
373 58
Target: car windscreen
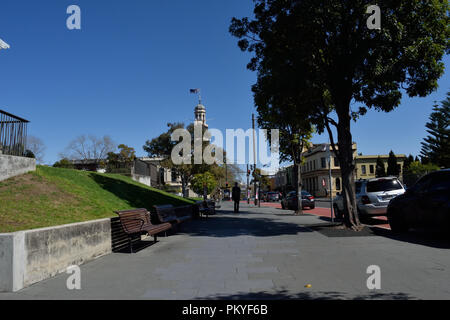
383 185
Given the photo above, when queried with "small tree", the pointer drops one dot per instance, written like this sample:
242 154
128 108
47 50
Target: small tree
122 161
29 154
380 170
416 170
393 168
199 181
63 163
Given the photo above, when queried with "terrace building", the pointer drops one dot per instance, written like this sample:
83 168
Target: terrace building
316 169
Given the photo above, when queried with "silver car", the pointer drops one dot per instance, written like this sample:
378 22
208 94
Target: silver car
372 196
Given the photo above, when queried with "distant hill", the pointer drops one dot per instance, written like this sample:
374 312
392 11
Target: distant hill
54 196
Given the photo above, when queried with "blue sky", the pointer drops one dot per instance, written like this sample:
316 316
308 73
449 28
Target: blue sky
128 72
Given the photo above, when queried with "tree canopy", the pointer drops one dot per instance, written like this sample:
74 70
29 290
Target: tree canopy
320 56
436 146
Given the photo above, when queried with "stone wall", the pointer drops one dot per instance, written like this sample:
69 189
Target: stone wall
11 166
27 257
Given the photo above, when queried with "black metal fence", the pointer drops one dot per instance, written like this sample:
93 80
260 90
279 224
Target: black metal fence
13 134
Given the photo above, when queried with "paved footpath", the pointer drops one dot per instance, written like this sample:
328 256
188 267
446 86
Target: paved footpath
261 253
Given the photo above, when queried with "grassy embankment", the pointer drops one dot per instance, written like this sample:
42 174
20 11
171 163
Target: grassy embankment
52 196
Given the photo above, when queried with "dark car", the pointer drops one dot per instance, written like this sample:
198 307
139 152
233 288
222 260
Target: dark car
290 202
424 205
272 196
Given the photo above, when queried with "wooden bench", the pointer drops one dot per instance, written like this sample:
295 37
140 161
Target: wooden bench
168 213
184 213
206 208
137 222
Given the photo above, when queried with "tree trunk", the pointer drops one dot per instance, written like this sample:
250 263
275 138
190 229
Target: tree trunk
298 189
183 187
347 169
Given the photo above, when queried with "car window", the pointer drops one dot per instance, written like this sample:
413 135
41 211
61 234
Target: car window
384 185
440 182
422 185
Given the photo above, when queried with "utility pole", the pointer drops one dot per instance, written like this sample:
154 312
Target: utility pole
248 185
254 160
330 181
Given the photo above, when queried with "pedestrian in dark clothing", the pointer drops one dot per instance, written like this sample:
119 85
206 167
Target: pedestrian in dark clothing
236 196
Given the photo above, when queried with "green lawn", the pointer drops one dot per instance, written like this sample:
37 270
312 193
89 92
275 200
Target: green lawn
53 196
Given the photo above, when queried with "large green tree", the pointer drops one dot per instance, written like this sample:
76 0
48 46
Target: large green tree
436 146
295 132
163 145
324 50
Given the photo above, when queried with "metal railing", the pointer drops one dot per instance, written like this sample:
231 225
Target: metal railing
13 134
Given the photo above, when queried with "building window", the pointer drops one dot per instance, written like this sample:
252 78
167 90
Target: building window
338 184
323 162
363 169
336 162
372 169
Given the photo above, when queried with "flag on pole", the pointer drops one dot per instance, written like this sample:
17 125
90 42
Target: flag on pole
3 45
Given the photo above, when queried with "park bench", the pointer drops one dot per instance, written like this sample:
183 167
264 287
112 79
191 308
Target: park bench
184 213
168 213
137 222
206 208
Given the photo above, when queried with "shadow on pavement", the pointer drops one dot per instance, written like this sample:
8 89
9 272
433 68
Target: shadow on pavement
138 245
439 240
326 295
229 226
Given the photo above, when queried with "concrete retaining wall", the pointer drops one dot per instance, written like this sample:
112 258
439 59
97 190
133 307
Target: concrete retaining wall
147 180
27 257
11 166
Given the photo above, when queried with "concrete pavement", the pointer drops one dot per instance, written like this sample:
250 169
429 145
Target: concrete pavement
261 253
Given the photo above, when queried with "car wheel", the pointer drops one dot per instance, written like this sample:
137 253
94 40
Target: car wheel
362 217
397 223
312 207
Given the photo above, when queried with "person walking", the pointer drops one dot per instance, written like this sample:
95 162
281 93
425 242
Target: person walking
236 196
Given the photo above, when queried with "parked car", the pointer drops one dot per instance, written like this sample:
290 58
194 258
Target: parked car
290 202
372 196
426 204
272 196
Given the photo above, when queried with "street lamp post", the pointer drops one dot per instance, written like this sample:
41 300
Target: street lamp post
330 181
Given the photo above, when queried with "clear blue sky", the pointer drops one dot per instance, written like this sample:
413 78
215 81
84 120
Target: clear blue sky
129 70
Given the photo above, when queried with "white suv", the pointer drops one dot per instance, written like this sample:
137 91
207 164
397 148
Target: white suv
372 196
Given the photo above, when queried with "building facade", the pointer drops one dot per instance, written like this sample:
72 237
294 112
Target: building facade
315 170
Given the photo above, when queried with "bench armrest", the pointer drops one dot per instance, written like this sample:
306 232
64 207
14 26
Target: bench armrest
131 219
